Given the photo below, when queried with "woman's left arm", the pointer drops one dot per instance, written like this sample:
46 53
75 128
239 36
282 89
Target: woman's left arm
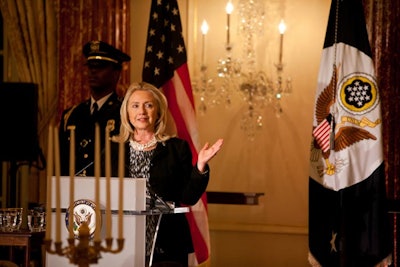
199 176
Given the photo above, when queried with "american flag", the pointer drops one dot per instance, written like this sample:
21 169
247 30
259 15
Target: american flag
165 66
322 133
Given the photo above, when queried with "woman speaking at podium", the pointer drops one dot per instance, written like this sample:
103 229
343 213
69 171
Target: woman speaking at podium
166 163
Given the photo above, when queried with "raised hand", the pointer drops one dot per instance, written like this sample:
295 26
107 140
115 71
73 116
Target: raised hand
207 153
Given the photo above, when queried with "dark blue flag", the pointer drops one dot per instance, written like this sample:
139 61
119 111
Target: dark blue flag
348 220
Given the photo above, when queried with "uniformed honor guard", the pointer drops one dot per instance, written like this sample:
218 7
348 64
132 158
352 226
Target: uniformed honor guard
104 63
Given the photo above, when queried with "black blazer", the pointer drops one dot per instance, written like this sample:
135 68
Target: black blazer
173 177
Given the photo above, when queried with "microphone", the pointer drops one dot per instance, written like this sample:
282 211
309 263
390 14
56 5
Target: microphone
84 168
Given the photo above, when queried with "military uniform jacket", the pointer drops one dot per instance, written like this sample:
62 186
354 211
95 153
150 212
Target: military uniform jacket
80 116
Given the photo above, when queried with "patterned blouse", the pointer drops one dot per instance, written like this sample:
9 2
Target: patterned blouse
139 163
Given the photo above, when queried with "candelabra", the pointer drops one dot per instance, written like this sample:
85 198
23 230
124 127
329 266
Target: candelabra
255 87
83 248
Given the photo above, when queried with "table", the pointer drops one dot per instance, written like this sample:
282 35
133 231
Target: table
23 238
237 198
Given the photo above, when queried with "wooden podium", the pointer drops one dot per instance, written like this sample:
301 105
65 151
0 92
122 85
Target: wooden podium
133 253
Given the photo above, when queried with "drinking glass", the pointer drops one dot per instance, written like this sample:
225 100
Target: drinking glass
13 217
36 220
3 221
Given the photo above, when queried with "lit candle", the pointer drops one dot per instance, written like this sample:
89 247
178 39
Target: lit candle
97 181
49 177
58 190
229 9
121 174
204 30
72 180
282 29
108 182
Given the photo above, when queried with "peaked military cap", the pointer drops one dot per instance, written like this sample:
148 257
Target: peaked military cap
99 50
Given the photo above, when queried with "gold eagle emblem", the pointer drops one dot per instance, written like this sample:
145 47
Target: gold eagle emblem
346 135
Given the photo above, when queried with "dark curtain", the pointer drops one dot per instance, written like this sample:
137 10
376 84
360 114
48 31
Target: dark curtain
81 21
383 22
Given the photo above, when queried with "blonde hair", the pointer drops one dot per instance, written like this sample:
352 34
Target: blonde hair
127 129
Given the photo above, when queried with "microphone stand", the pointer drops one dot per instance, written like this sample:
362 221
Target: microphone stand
154 198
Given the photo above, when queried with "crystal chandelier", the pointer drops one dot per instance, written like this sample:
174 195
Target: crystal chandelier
241 76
